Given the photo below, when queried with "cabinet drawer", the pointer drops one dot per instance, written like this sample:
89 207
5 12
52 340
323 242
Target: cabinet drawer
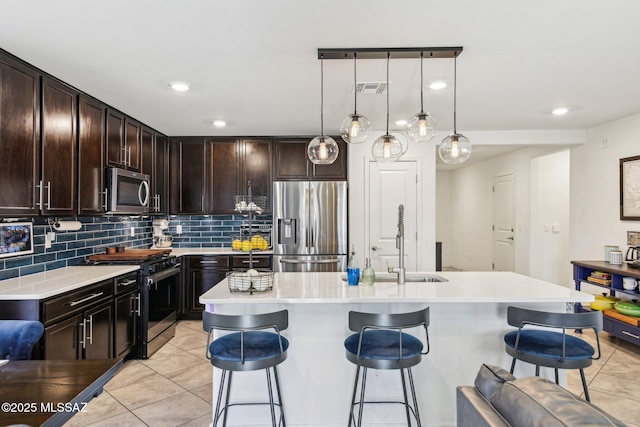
627 332
259 261
209 261
125 283
75 301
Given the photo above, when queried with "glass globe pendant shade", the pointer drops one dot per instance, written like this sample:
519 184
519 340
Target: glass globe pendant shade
355 128
322 150
387 149
455 148
423 127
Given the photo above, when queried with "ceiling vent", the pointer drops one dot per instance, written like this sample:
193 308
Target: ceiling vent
371 88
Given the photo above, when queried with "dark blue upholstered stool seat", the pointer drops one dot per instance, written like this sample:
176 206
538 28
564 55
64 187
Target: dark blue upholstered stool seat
381 343
248 347
17 338
545 339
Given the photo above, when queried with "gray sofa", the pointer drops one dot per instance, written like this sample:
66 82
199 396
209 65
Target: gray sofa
499 399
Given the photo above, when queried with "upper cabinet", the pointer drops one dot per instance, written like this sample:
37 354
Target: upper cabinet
154 162
123 141
91 126
19 137
257 168
187 174
58 182
292 163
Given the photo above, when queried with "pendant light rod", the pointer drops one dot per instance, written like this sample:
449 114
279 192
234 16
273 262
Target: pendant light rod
396 52
355 84
455 92
388 56
322 97
421 85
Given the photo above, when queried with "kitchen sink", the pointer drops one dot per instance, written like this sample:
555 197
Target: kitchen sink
409 277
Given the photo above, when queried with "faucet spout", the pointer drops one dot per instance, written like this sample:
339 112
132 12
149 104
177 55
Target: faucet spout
400 246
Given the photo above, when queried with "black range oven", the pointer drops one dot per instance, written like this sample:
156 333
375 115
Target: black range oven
160 293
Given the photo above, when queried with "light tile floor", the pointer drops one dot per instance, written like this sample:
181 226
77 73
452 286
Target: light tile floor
173 387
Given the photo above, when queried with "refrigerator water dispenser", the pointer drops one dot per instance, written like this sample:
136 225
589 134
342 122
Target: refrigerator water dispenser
287 231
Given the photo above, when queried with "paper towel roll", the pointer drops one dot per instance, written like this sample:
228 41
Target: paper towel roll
67 225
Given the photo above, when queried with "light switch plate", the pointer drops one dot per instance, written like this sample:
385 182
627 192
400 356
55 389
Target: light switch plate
179 229
633 238
133 231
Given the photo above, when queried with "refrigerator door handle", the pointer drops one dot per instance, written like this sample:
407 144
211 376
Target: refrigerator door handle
314 261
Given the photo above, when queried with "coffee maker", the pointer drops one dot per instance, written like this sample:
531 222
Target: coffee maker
161 240
632 256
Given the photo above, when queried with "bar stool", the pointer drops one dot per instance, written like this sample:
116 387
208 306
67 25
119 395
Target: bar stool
247 348
380 343
542 340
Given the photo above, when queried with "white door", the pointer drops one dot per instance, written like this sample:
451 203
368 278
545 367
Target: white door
388 186
504 247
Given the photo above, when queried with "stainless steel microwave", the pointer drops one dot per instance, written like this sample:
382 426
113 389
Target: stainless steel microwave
127 192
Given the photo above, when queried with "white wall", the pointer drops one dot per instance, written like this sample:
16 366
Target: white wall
549 249
359 156
443 214
595 186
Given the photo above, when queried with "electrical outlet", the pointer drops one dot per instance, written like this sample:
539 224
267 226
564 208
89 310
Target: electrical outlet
604 143
47 241
179 229
133 232
52 236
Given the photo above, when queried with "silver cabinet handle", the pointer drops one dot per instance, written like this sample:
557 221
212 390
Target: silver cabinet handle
631 335
106 199
127 282
48 194
129 161
90 297
208 262
90 320
137 297
83 341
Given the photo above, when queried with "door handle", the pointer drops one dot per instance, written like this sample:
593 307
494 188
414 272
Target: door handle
510 238
375 248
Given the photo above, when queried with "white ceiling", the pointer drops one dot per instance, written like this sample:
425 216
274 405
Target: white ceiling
254 63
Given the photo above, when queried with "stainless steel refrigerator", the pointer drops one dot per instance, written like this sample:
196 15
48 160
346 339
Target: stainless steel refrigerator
310 225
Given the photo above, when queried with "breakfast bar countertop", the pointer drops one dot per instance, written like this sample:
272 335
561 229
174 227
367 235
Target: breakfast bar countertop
460 287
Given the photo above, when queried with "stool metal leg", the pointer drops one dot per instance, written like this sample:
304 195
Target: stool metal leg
557 379
513 365
271 404
226 403
362 387
353 398
216 415
584 385
415 399
406 401
275 375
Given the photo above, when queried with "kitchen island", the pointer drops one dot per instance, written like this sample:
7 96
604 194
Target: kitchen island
468 320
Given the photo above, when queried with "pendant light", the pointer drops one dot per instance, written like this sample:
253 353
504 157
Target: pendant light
355 128
322 150
387 148
423 127
455 148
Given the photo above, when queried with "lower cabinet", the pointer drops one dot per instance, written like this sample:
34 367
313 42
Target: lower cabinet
126 315
202 273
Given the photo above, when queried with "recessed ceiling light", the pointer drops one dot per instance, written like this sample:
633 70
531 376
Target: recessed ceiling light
401 122
219 123
179 86
560 111
437 85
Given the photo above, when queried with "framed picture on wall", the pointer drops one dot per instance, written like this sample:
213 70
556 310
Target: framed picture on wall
630 188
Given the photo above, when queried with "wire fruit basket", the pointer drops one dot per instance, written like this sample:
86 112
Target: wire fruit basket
246 242
250 281
249 203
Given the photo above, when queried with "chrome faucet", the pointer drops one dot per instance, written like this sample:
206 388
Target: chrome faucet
400 246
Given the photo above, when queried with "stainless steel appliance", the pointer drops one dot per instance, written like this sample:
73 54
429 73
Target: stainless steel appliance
159 287
309 225
127 192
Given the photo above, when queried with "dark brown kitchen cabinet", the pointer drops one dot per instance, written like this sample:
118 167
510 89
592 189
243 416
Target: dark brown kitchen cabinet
292 163
188 177
241 262
224 172
19 137
79 324
58 184
202 273
256 167
91 131
126 314
154 162
123 141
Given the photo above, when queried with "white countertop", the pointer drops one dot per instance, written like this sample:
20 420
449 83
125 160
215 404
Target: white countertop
55 282
461 287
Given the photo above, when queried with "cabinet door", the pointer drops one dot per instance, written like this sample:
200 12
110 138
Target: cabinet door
91 123
291 160
126 323
115 138
336 171
146 162
256 167
132 137
99 332
161 173
19 137
201 280
225 175
58 148
62 339
188 163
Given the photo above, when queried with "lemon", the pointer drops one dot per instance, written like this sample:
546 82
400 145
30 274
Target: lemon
246 245
255 241
263 244
236 245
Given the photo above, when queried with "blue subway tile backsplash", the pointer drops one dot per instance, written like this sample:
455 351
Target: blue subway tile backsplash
97 233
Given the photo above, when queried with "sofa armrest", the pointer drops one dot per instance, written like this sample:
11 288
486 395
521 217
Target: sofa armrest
473 410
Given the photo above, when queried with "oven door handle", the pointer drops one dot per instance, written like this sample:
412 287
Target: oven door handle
156 277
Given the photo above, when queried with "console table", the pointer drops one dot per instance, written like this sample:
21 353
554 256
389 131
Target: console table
50 392
581 272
